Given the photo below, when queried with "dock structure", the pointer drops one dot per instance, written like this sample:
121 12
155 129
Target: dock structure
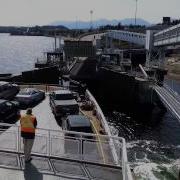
166 37
132 37
170 36
58 155
157 42
153 41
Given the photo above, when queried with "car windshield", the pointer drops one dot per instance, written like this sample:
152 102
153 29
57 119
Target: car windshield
64 96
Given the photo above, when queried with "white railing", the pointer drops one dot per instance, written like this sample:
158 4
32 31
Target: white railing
170 100
167 36
83 147
137 38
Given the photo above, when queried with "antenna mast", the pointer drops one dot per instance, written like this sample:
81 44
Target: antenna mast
136 12
91 19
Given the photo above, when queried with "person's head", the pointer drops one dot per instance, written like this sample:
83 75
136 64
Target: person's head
29 111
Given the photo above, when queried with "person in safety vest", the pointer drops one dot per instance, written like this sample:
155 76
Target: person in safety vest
28 126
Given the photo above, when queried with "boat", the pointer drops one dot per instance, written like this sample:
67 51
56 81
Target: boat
121 84
51 58
58 155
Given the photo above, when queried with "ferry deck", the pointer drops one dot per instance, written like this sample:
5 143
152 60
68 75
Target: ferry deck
56 157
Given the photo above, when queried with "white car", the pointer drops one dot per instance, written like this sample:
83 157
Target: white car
29 96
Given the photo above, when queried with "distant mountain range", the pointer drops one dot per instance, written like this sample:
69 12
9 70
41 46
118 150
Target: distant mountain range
97 23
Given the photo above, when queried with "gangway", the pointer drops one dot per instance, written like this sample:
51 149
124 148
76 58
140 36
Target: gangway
59 154
170 36
62 155
132 37
170 99
152 39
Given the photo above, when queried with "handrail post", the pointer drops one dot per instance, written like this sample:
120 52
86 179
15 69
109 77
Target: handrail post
123 160
18 139
81 148
49 143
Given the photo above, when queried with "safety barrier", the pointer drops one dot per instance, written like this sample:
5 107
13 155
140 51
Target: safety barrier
44 87
169 99
133 37
83 147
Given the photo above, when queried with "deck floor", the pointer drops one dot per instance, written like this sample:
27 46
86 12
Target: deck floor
12 167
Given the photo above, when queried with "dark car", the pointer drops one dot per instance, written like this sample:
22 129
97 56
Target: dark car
78 123
8 90
9 111
63 102
29 96
73 124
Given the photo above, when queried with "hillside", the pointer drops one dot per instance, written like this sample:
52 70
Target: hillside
98 23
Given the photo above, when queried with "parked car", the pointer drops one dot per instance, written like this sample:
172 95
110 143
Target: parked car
9 111
8 90
78 123
63 102
29 96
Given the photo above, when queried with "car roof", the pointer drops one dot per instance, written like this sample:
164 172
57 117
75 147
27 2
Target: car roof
66 102
3 83
78 121
63 91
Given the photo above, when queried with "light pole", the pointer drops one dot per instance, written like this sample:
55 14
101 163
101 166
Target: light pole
91 23
136 12
76 23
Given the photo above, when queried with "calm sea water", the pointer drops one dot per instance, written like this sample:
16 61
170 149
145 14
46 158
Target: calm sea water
153 150
19 53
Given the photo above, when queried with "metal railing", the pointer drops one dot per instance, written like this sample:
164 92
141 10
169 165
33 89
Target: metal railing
137 38
48 87
83 147
171 32
44 87
169 99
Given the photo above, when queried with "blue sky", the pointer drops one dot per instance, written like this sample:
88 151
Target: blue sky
40 12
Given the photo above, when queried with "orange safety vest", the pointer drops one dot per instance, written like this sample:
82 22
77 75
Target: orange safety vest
27 123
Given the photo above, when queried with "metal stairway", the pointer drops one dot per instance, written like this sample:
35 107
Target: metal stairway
170 99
